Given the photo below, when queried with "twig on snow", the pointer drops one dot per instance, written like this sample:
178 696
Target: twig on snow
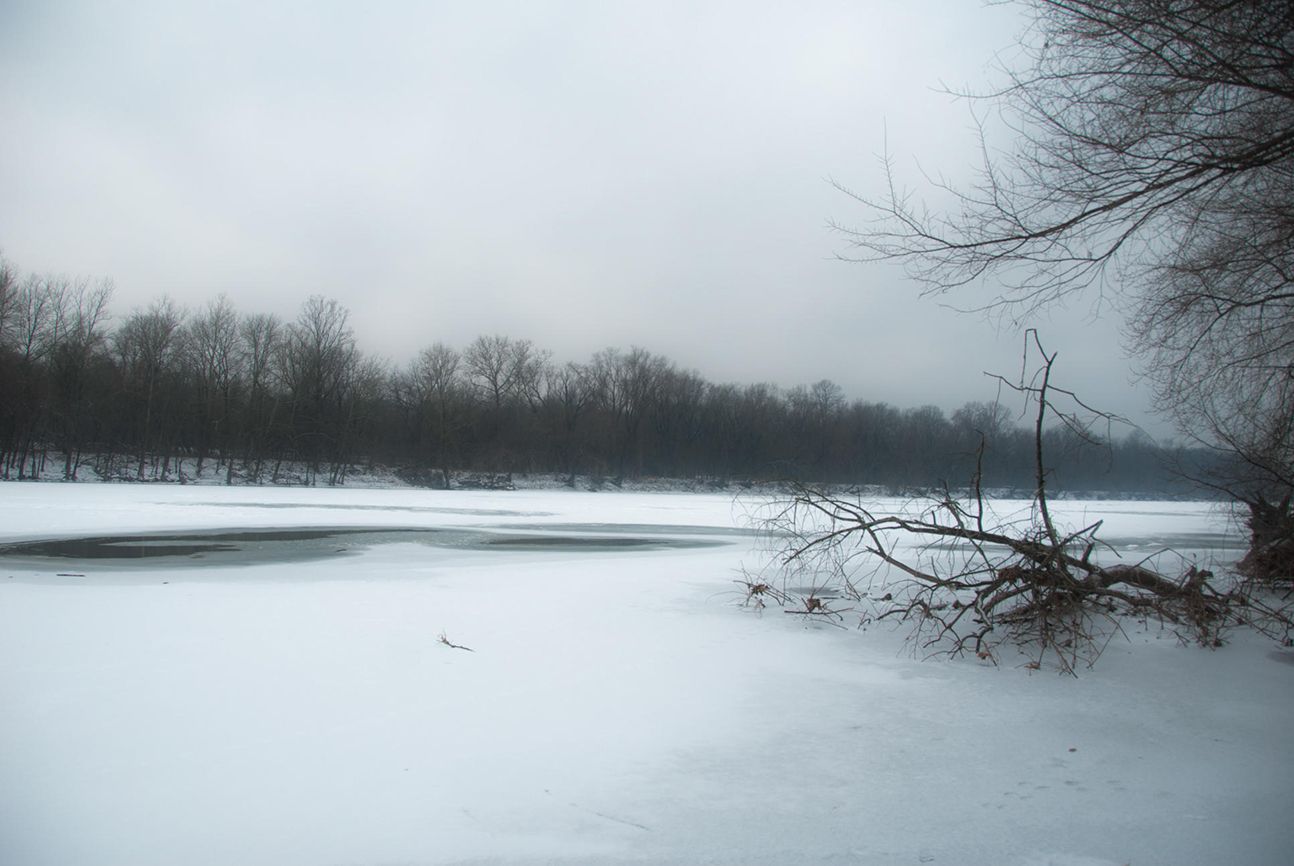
447 642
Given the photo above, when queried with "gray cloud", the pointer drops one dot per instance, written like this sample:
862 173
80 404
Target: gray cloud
579 174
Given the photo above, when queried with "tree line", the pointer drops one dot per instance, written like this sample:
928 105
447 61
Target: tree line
257 396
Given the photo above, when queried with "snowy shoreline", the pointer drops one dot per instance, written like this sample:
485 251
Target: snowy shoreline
184 471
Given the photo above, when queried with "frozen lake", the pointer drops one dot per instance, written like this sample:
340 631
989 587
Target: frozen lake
240 675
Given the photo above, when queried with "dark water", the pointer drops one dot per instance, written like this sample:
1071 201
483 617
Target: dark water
223 547
1122 547
346 506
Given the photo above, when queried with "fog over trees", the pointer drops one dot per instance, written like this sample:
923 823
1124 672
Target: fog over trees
255 395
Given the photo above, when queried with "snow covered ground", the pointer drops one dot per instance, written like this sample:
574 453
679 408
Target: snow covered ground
618 705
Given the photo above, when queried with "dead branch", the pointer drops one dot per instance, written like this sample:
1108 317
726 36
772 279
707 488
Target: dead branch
966 582
447 642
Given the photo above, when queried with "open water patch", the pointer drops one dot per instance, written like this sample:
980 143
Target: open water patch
412 509
226 547
645 529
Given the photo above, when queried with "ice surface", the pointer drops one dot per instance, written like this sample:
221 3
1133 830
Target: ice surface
617 705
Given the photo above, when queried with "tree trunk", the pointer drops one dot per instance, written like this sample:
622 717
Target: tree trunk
1271 544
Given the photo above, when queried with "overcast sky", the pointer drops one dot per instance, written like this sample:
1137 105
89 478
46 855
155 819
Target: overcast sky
579 174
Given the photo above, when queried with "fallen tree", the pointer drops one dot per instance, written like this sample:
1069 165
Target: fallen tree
968 580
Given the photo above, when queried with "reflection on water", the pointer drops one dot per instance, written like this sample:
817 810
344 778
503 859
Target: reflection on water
260 546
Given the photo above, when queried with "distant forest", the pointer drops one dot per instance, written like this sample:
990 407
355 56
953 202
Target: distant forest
252 394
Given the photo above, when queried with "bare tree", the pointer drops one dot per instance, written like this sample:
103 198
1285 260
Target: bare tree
676 421
438 396
507 374
816 412
12 378
74 336
501 367
567 396
318 361
211 345
148 344
626 386
358 408
34 319
53 328
1153 156
8 297
258 336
